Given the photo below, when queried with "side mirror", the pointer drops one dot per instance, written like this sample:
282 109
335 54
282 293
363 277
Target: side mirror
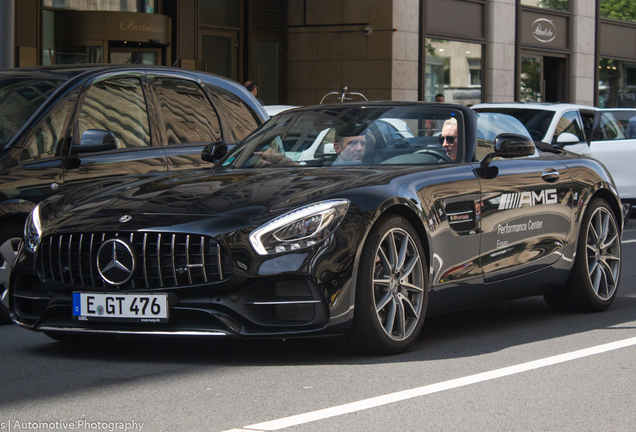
567 138
509 145
95 140
214 152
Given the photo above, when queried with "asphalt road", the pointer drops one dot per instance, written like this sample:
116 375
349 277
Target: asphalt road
517 366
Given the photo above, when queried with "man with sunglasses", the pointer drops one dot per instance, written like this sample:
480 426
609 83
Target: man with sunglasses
448 138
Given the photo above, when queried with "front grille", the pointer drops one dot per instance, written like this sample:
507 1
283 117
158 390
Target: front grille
164 260
461 215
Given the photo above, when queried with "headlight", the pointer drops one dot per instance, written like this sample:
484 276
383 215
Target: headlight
33 230
300 228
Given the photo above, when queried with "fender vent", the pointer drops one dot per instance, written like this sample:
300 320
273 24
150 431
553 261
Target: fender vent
461 215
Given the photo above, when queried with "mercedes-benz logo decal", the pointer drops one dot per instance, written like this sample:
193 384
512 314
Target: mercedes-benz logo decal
116 261
125 218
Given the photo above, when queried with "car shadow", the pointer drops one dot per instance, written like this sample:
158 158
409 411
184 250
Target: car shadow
462 334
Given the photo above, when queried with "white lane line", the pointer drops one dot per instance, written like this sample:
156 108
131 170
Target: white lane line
326 413
628 241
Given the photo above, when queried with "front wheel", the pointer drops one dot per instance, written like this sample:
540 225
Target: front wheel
391 293
593 282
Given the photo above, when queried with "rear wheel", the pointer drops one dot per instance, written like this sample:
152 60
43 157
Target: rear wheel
593 282
391 293
10 239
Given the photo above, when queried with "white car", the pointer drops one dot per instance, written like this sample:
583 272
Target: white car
606 134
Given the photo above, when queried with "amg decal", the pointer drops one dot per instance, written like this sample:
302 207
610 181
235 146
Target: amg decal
516 200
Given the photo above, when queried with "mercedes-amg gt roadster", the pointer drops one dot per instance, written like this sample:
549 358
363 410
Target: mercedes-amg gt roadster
403 210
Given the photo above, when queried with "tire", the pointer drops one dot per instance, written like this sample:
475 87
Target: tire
594 278
10 239
391 293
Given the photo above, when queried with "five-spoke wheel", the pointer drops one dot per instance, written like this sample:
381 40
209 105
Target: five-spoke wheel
603 253
391 293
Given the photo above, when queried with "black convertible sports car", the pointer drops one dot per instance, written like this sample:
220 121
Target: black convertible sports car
350 219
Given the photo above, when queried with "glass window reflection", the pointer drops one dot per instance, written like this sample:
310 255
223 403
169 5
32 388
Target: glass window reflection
453 69
548 4
145 6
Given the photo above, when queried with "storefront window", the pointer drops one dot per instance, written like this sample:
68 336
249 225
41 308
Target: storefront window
617 86
146 6
48 37
453 69
219 13
78 54
548 4
620 10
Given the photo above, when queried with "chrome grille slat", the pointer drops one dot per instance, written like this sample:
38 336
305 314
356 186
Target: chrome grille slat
81 273
59 259
70 265
91 258
145 260
51 257
188 259
219 261
179 260
159 260
174 264
205 273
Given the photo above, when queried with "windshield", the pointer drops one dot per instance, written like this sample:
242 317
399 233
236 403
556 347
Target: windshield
536 121
356 136
20 97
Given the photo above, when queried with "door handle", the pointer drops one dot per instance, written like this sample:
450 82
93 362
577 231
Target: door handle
550 175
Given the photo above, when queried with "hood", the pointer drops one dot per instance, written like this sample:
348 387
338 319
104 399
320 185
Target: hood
234 197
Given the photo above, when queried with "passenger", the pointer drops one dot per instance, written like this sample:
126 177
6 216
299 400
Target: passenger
448 138
439 98
350 148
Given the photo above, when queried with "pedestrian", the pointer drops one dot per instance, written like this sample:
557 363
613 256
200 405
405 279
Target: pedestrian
251 87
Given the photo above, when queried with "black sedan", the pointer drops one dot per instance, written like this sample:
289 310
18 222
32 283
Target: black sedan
64 127
353 219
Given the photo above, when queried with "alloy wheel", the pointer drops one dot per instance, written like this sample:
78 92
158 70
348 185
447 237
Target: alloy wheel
398 284
603 253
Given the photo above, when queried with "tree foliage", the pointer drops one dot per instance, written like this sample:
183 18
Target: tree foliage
624 10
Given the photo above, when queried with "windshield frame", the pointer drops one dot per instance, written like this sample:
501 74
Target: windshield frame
238 158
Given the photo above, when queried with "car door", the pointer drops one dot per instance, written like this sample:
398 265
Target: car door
187 118
525 215
114 102
614 144
570 133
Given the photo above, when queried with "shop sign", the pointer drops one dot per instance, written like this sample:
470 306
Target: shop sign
129 25
544 30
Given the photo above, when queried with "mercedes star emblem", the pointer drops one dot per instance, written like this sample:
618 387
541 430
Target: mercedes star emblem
116 261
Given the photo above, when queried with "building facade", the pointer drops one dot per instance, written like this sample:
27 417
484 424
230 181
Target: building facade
297 51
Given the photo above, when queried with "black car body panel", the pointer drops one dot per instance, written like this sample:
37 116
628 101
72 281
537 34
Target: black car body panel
489 231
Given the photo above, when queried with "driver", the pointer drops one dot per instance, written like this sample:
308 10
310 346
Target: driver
448 138
350 148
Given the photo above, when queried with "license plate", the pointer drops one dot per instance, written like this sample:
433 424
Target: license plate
136 307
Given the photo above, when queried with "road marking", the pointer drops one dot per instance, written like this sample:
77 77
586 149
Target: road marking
628 241
352 407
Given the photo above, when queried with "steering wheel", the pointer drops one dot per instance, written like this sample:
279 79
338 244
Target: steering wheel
439 154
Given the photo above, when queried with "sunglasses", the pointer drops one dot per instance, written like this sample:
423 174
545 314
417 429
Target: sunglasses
449 139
